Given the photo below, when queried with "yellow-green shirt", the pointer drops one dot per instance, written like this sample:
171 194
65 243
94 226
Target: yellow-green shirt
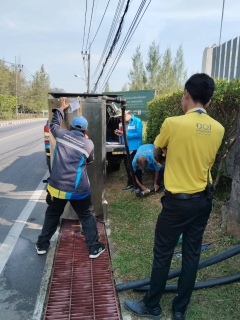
192 142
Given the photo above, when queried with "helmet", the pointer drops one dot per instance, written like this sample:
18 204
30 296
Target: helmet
79 123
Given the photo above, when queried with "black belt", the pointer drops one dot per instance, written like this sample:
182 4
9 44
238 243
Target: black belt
184 196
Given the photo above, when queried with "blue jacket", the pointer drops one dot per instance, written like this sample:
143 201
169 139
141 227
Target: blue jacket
146 150
71 154
134 133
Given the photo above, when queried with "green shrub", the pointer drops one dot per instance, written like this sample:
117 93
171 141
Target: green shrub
224 108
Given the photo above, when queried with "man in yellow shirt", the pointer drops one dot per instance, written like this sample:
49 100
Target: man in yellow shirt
192 142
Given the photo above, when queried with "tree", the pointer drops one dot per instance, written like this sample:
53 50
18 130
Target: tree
107 89
125 87
137 76
233 224
7 106
38 92
153 66
180 74
162 72
166 79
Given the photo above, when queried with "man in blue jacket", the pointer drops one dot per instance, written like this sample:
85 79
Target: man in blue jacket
69 181
134 137
143 160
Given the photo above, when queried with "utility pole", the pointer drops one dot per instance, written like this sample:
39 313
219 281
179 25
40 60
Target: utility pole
16 84
86 56
88 78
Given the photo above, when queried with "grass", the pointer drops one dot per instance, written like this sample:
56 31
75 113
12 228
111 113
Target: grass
132 222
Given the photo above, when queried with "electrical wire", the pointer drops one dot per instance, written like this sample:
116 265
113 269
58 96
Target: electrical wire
99 25
25 74
126 41
26 70
22 68
90 25
110 35
115 40
111 31
84 26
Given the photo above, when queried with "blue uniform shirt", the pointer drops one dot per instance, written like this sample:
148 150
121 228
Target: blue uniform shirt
146 150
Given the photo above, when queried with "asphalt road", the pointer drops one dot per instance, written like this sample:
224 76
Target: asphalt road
22 208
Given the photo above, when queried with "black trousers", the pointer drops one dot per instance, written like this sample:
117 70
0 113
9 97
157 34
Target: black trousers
83 209
188 217
127 167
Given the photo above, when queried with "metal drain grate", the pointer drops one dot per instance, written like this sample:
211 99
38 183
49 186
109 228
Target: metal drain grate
81 288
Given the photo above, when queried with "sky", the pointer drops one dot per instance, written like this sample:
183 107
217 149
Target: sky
51 33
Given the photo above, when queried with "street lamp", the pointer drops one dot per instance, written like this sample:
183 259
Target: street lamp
76 75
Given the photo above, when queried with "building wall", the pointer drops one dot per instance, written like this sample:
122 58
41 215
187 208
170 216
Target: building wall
222 62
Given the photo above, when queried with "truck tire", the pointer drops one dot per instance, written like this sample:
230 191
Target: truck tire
48 163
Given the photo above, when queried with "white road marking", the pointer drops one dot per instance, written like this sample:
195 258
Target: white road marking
14 233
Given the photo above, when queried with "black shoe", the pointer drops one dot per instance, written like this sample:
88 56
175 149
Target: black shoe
128 188
176 315
160 190
96 250
138 308
39 250
161 187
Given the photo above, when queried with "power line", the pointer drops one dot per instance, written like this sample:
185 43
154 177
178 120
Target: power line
99 25
22 68
27 71
24 72
115 40
110 35
111 31
126 41
15 64
90 24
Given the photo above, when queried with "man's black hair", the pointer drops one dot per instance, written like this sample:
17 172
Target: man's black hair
200 87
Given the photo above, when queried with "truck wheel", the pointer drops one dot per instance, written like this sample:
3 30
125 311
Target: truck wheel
49 164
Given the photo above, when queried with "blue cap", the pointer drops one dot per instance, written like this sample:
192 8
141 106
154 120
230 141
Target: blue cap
80 123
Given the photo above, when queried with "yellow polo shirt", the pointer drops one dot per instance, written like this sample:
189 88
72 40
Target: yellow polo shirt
192 142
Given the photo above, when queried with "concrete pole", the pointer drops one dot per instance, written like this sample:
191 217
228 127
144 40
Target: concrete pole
88 78
16 69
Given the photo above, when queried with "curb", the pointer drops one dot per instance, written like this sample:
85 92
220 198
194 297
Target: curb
47 272
17 122
121 295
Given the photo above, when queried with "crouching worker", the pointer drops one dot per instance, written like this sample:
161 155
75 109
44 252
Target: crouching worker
144 159
69 181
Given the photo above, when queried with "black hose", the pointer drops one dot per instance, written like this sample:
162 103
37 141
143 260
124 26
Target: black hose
173 274
198 285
